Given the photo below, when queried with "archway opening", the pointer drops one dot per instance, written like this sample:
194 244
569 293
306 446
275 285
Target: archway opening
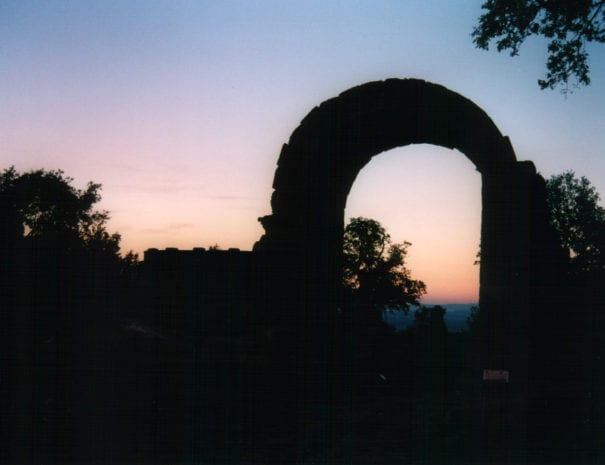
430 196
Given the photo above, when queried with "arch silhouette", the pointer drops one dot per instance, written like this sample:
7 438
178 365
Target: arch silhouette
302 244
320 162
339 137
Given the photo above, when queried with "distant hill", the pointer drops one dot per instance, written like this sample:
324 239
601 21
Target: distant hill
455 317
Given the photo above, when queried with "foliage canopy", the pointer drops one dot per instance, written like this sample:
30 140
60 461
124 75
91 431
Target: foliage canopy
43 206
568 25
374 268
579 220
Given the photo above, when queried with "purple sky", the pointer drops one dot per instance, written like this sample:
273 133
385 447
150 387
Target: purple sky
180 108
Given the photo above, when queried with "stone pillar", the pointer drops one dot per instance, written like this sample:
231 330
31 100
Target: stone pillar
505 300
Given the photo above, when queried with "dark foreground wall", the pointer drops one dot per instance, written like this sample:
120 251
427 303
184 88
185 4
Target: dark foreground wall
170 381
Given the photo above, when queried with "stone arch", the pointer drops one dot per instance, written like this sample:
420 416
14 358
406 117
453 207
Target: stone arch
336 139
340 136
303 236
320 162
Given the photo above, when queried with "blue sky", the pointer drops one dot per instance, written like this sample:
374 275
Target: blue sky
180 109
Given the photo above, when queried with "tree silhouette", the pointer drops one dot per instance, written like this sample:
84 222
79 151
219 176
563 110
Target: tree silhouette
430 319
374 272
473 320
568 25
60 264
579 220
62 284
43 205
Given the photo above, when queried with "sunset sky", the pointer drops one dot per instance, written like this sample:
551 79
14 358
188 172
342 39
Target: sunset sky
180 108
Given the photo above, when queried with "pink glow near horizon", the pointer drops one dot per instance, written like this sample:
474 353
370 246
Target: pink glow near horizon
180 110
431 197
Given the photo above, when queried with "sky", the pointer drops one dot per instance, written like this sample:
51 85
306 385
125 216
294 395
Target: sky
180 108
